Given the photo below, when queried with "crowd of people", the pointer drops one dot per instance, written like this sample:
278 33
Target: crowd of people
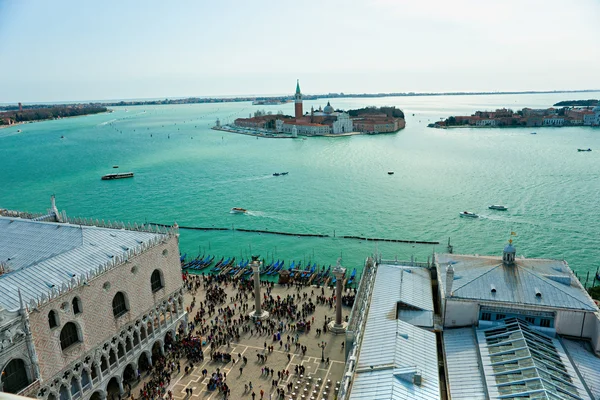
220 319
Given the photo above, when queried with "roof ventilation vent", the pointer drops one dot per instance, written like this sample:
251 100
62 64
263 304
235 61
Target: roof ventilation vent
493 288
538 294
417 379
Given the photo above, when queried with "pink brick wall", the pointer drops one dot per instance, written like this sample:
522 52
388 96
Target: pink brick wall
96 322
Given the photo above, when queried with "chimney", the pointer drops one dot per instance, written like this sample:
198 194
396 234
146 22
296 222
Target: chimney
449 280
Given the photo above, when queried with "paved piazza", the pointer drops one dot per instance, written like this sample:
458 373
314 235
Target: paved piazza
252 344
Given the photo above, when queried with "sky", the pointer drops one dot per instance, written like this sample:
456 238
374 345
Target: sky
73 50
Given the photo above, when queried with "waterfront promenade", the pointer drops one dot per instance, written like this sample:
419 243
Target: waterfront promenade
254 346
274 135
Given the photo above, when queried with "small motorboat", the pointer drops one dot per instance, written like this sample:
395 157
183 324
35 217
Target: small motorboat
497 207
534 133
19 131
109 177
468 214
284 173
237 210
584 149
390 172
276 174
62 136
115 166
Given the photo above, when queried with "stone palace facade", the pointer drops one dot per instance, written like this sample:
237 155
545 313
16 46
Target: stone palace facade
84 305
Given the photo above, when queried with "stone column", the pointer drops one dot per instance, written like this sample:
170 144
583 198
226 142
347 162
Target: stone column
338 326
258 313
79 385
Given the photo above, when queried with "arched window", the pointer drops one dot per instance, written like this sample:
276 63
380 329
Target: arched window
74 387
52 319
156 281
112 357
120 351
85 380
69 335
103 364
77 309
14 376
63 393
119 305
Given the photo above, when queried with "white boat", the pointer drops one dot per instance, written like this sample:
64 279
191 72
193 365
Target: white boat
19 131
237 210
497 207
468 214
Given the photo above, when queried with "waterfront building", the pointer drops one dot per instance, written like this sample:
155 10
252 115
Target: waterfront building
554 120
84 305
468 327
321 122
485 122
596 120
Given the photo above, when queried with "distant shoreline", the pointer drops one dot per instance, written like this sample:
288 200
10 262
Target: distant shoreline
50 119
201 100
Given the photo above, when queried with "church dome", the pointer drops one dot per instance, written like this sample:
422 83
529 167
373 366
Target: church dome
328 109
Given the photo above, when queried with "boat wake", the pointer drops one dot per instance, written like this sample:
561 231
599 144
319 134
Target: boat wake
8 134
262 214
107 122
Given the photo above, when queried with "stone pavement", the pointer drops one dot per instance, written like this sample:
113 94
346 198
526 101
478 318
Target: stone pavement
249 346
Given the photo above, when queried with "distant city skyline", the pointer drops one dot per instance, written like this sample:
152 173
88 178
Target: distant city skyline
73 51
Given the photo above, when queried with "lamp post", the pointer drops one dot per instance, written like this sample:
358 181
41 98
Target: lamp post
322 346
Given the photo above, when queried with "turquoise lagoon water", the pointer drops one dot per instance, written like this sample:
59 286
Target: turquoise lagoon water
188 173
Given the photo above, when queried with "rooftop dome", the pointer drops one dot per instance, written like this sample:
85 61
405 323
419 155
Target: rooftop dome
595 109
328 109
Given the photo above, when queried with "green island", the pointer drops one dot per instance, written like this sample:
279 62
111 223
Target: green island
577 103
48 113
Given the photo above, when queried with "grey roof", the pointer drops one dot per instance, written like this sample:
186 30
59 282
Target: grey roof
412 288
475 275
393 351
462 365
42 254
521 362
587 364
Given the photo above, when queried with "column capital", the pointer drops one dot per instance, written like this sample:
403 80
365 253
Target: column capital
339 272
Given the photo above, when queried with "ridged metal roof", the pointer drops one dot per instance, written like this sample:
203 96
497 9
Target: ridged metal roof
474 276
43 255
394 351
463 365
586 363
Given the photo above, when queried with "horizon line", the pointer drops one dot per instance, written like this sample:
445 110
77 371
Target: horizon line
250 97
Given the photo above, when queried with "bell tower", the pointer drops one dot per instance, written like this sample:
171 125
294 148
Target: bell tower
298 101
